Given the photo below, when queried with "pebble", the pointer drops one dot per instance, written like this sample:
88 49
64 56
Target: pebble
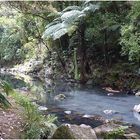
138 93
11 127
42 108
87 116
110 94
109 112
67 112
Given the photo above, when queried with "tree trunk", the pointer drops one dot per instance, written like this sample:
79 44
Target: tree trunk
82 51
105 51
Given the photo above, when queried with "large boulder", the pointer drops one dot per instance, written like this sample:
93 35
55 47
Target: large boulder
104 129
108 130
115 131
137 108
137 93
68 131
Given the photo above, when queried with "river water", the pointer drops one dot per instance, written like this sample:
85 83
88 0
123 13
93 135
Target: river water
86 101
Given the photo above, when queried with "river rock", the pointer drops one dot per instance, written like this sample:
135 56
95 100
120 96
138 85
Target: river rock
102 130
68 131
42 108
137 108
87 116
137 115
109 112
59 97
67 112
138 93
132 136
110 94
89 82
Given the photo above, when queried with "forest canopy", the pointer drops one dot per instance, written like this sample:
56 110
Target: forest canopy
96 32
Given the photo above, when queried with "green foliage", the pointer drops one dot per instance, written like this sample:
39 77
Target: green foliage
130 32
20 36
116 134
11 38
68 21
37 125
5 89
4 103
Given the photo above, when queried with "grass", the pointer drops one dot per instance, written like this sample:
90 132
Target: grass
5 90
36 125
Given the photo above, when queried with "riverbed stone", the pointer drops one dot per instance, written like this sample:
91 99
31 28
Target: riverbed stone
67 131
87 116
109 112
132 136
67 112
42 108
137 108
138 93
102 130
59 97
136 115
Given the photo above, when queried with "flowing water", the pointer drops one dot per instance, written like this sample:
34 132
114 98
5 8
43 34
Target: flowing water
85 101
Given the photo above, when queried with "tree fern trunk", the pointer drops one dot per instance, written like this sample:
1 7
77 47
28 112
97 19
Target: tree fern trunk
82 51
75 65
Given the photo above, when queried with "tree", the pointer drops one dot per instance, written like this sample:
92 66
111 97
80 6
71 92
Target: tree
130 39
72 19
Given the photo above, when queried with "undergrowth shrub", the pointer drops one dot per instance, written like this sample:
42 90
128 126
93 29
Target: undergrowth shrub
37 125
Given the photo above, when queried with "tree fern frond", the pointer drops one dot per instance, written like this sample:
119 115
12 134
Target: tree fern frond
71 15
59 33
72 8
68 21
50 30
54 14
91 8
56 21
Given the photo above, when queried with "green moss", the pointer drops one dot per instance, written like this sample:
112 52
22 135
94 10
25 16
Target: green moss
116 134
63 132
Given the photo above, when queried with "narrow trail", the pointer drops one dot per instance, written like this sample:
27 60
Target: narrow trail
11 122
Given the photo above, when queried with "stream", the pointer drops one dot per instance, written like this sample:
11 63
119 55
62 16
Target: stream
81 105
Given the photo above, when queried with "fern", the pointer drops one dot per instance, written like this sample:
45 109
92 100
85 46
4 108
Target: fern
7 89
4 103
68 21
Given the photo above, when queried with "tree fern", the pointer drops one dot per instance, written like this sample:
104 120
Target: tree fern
68 20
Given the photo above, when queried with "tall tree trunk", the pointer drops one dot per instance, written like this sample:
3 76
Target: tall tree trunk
82 51
105 51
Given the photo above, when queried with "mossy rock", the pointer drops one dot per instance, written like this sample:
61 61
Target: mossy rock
59 97
74 132
63 133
